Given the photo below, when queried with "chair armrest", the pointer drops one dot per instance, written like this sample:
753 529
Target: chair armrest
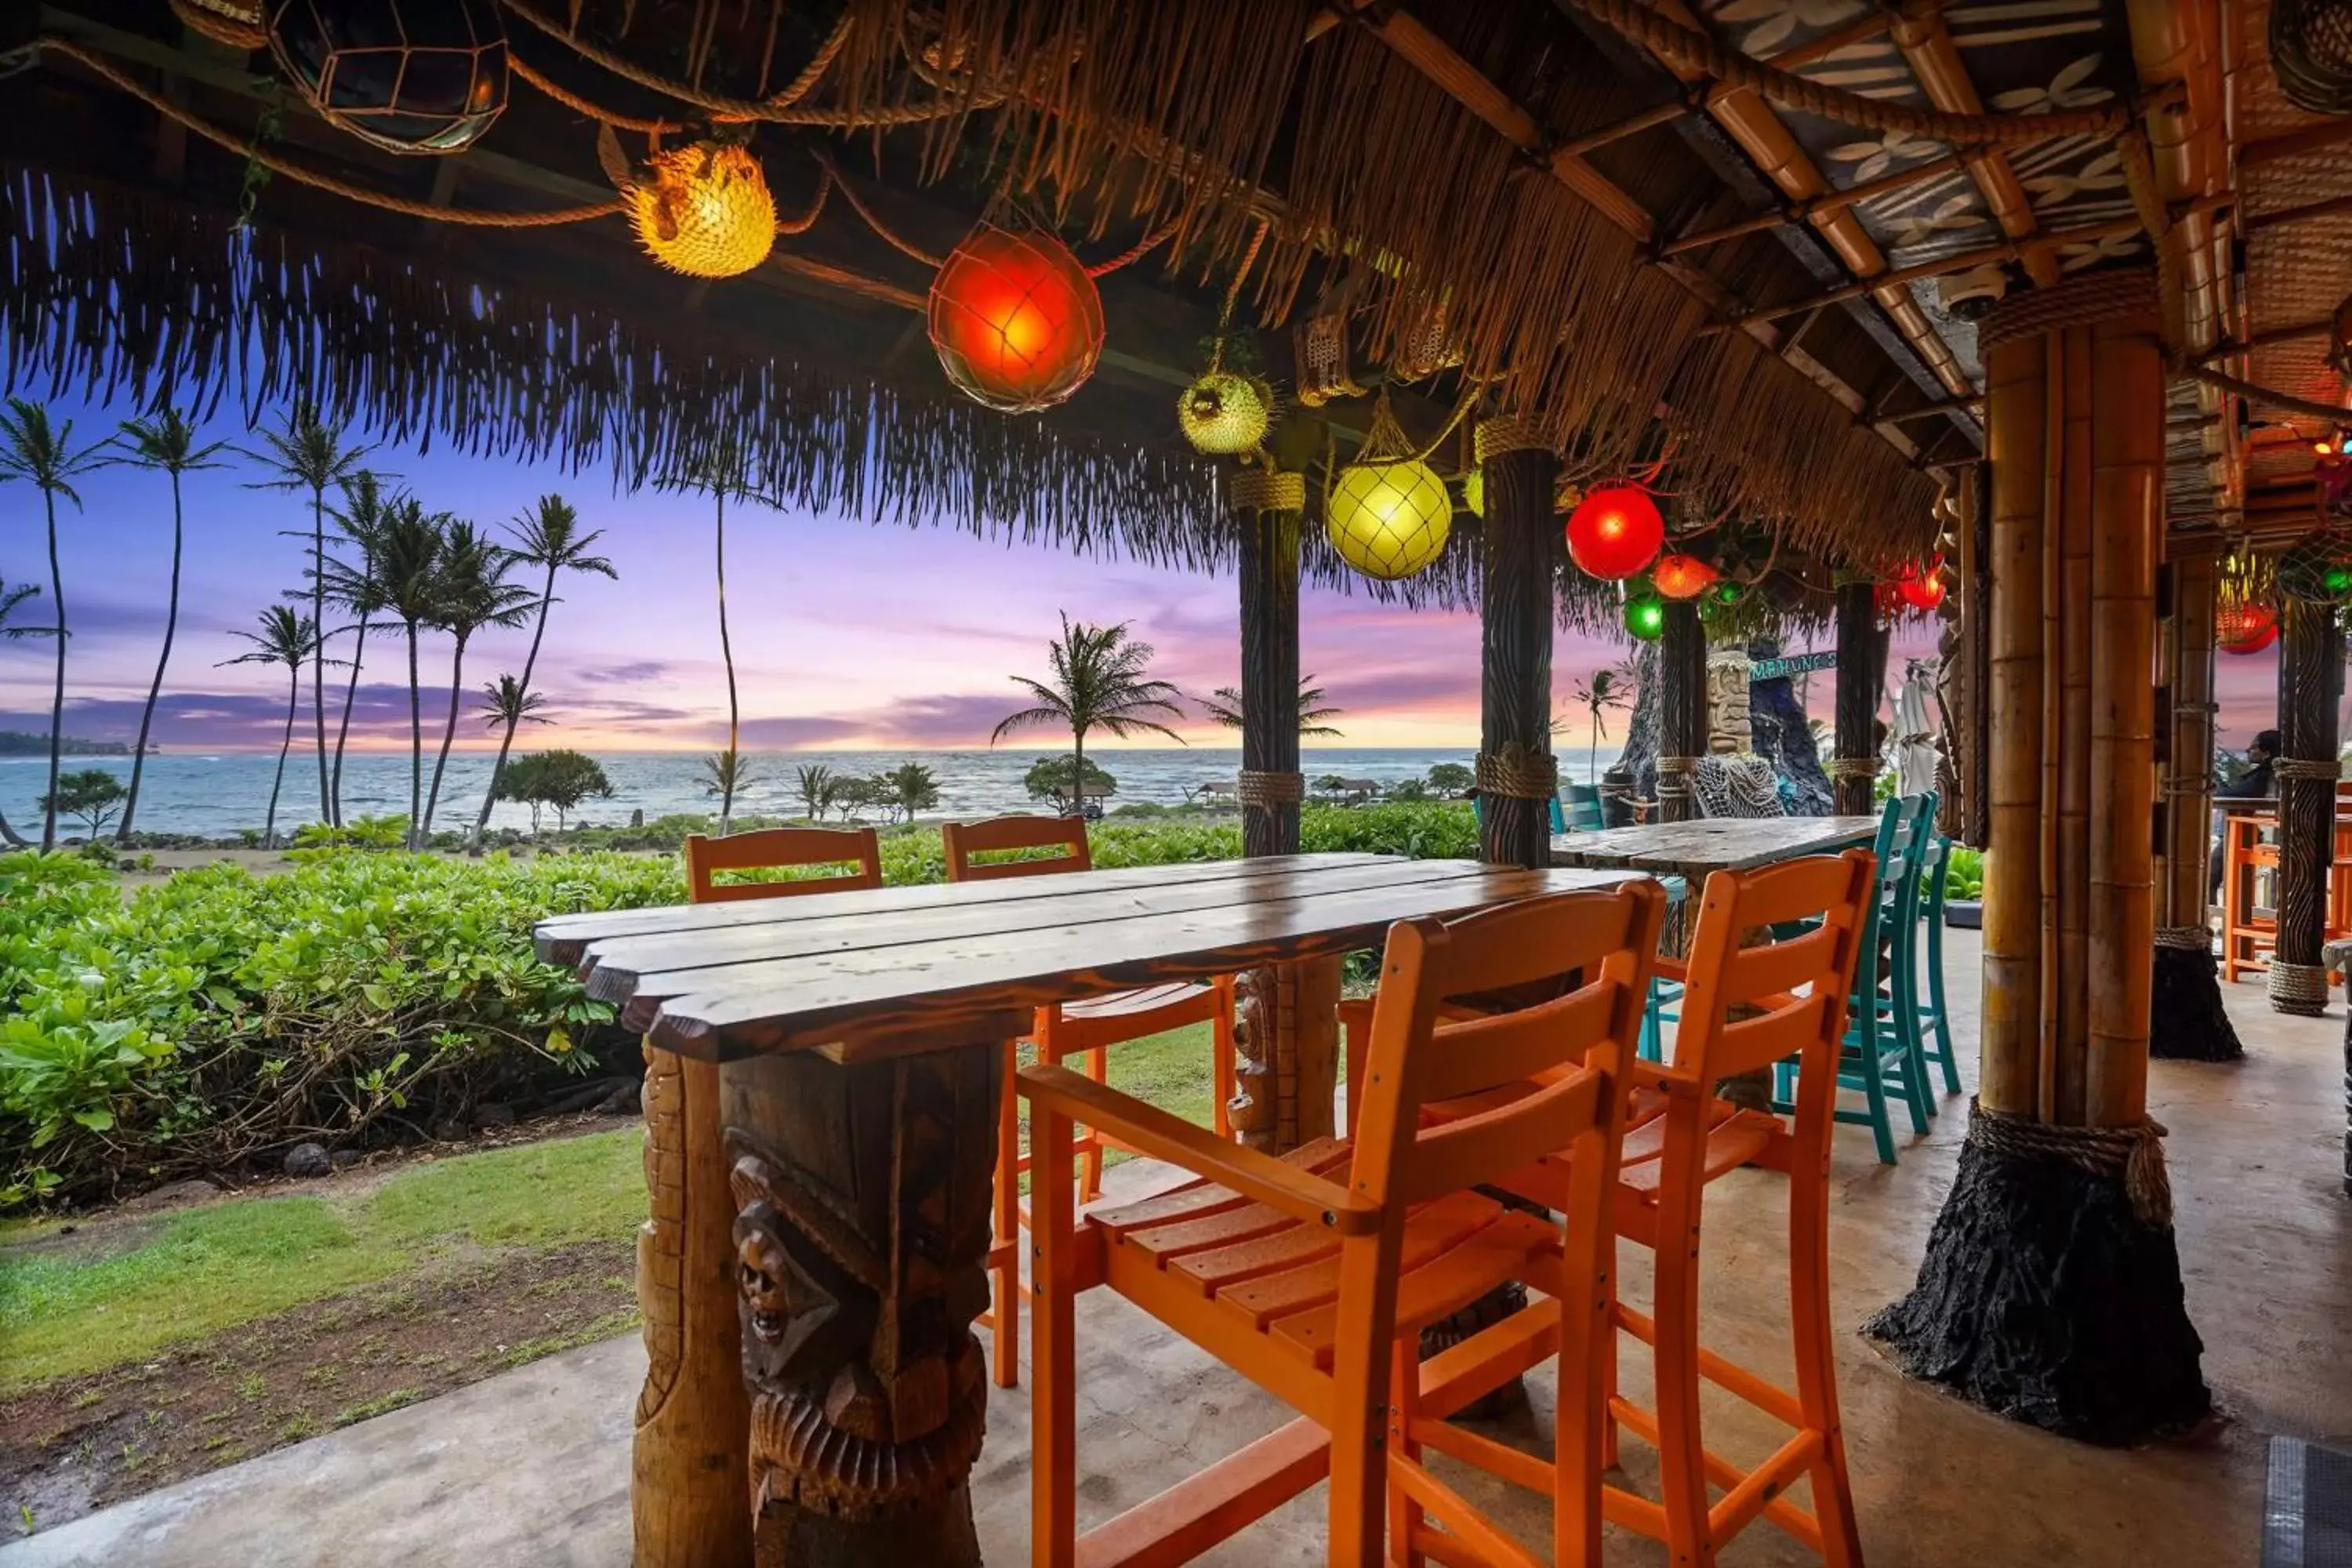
1151 1130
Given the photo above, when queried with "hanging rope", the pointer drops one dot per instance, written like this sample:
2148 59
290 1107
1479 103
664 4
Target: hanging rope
882 231
579 105
1144 248
1679 46
242 146
1234 289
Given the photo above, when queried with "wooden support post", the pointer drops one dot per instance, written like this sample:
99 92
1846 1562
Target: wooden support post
1516 774
2311 678
2050 1289
1286 1034
2186 1018
1861 673
861 1225
687 1487
1682 710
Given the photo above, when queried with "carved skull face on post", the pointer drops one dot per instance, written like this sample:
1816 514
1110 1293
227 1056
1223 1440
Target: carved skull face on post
803 1314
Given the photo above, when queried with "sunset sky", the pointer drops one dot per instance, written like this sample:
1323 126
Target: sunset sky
846 636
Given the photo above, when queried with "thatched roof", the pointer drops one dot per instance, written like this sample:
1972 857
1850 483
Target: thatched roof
1514 181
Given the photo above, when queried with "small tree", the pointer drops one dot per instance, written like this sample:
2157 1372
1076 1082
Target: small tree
90 795
911 788
1048 778
560 779
1450 780
726 774
1604 689
1411 789
854 795
816 789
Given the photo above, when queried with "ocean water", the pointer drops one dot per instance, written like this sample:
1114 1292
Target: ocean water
219 795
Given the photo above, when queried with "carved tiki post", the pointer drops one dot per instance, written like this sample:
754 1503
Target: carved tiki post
2050 1289
1516 774
1682 710
862 1234
2187 1020
2310 678
1861 673
687 1465
1285 1036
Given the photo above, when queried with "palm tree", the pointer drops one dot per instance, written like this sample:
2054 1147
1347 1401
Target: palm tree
911 788
286 637
548 537
400 577
1225 707
507 706
31 448
726 774
816 789
353 589
167 442
1604 689
1099 684
472 591
722 472
308 454
9 599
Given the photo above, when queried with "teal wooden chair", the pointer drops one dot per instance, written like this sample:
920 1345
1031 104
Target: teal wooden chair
1882 1057
1584 813
1559 818
1935 1018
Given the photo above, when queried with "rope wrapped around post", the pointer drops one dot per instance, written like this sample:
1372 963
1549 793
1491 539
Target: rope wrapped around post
2328 768
2297 988
2135 1153
1266 489
1508 433
2189 939
1677 778
1517 773
1854 767
1260 790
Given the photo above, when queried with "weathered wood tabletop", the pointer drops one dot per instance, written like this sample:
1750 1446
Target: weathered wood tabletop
908 969
821 1225
1692 850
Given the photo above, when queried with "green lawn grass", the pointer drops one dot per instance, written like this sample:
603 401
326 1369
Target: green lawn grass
68 1309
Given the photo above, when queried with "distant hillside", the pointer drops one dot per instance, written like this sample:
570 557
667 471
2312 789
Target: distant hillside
24 743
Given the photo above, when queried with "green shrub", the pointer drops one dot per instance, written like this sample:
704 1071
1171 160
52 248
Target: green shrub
1964 873
219 1015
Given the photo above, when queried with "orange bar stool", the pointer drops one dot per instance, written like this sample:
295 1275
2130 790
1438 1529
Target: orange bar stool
2247 934
1313 1275
1069 1029
782 848
1746 1008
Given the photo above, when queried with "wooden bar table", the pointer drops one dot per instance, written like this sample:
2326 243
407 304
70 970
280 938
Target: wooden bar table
861 1040
1693 849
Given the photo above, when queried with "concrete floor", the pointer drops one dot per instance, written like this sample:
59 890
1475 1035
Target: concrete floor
531 1467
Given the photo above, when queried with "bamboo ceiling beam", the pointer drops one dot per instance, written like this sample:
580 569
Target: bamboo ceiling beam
1926 45
1828 202
1757 128
2262 340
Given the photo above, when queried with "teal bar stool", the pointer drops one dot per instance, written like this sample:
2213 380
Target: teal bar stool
1559 818
1882 1057
1935 1016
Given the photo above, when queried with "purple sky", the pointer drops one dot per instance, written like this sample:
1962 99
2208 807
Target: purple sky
845 636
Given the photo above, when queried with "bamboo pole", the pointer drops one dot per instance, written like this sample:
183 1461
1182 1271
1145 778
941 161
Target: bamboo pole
2016 436
2127 473
2063 1049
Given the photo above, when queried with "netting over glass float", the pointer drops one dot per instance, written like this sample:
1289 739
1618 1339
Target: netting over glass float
407 76
1389 518
1224 413
703 210
1015 319
2318 570
1615 531
1680 576
2246 628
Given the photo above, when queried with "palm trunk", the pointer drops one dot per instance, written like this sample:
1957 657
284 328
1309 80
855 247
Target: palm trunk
10 836
448 733
58 700
727 652
506 742
343 733
416 744
1592 756
319 647
1078 773
154 692
293 707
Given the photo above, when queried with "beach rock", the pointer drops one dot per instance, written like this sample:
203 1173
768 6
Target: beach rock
494 1116
344 1159
308 1160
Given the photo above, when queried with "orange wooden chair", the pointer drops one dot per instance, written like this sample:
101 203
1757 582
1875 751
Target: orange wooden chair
1070 1029
1313 1275
775 848
2247 934
1746 1008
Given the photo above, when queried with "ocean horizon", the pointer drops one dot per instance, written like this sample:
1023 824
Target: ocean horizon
219 794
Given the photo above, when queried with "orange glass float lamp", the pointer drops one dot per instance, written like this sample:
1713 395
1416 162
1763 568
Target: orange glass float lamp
2246 628
1016 320
1615 531
1680 576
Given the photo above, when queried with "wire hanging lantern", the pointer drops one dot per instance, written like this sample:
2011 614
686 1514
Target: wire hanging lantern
2246 628
406 76
2311 53
703 210
1016 319
1388 514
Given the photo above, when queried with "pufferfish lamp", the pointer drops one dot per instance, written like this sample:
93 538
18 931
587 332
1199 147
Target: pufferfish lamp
1388 514
702 209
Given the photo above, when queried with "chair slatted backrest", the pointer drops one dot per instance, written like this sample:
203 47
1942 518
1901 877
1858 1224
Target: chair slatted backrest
777 847
1585 812
1903 826
964 841
1935 860
1794 993
1602 945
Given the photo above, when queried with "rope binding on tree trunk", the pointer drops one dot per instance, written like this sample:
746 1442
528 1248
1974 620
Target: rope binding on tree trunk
2189 939
2328 768
1517 772
1260 790
1854 767
1508 433
2134 1154
1266 489
1677 778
